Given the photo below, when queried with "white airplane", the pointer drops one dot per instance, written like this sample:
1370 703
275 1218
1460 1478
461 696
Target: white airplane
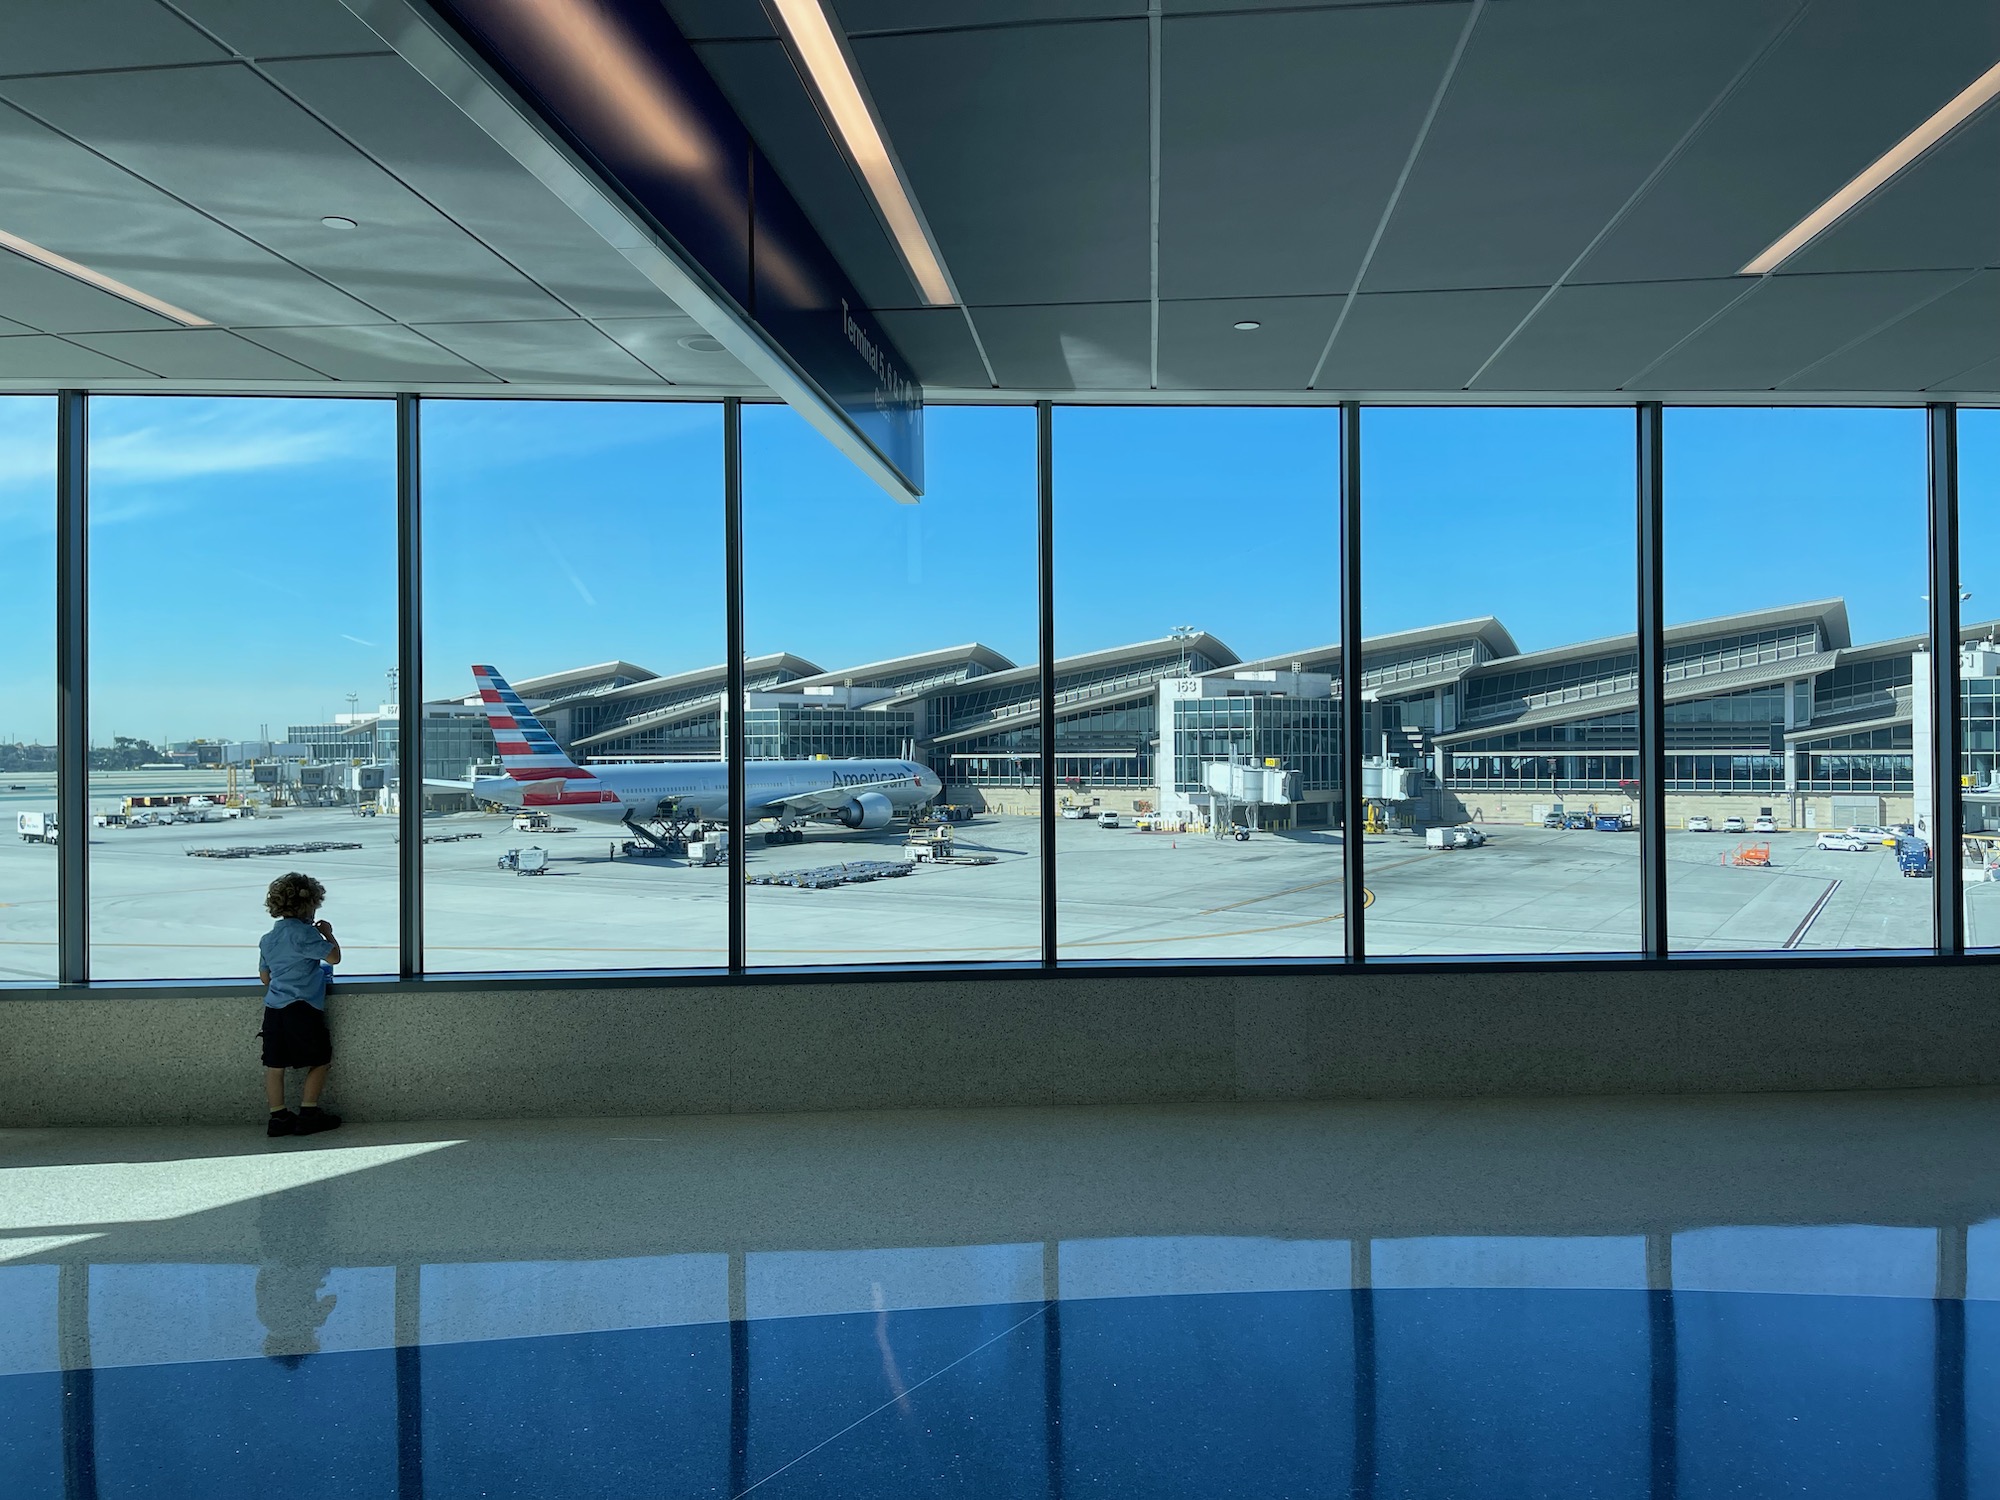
863 794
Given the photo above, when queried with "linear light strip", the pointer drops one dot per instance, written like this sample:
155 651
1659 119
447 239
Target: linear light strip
822 52
1975 97
99 280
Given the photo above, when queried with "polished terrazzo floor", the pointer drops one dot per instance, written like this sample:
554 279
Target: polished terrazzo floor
1753 1296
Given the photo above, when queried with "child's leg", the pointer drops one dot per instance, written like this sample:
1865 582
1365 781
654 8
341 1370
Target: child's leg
274 1088
315 1081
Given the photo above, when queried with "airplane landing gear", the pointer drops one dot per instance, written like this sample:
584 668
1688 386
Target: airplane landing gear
784 834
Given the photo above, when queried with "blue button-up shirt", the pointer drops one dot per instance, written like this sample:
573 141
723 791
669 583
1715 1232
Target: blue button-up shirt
293 954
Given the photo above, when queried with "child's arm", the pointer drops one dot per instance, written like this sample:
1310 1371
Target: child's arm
332 942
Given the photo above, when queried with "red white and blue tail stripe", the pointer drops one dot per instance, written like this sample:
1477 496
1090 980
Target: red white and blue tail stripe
527 751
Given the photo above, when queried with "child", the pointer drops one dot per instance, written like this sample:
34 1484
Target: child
293 961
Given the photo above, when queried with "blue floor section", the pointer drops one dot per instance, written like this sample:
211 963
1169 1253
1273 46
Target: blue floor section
1440 1394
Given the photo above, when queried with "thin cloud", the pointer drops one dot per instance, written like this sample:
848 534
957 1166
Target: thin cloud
356 639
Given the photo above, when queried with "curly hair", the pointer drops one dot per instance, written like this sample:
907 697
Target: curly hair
294 895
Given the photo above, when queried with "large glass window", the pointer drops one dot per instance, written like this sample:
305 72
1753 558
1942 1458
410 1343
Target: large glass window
1500 669
1795 581
1979 671
242 618
891 697
27 690
1197 632
573 650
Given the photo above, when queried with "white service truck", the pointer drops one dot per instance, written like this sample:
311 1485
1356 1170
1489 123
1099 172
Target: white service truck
36 827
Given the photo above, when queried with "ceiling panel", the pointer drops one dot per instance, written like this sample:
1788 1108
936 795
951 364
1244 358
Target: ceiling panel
542 352
1554 117
382 354
197 354
1201 349
706 20
282 28
37 356
390 111
1029 149
1937 341
1942 212
758 78
1850 81
69 199
929 15
1281 137
1073 347
1589 338
229 143
1786 324
1981 380
52 36
1421 341
938 346
31 293
657 342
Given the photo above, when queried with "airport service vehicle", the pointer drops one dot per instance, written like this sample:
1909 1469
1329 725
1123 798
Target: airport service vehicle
1699 824
1873 834
1611 823
1078 812
1849 842
1108 819
1465 837
36 827
858 794
1913 857
1764 825
1734 825
1577 821
1552 820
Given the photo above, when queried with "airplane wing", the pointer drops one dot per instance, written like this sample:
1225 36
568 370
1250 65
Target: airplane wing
806 803
462 786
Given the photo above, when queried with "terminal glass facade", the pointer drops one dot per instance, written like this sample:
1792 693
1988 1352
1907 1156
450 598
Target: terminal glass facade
916 628
1790 722
1209 538
1507 728
28 689
244 717
576 548
242 579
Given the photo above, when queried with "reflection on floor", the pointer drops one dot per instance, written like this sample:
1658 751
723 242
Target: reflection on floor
1749 1296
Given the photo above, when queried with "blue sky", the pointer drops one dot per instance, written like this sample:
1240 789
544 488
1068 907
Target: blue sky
244 562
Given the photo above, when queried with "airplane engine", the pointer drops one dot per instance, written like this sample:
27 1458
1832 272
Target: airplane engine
867 810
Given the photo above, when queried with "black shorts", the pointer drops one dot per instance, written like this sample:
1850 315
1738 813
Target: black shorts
295 1036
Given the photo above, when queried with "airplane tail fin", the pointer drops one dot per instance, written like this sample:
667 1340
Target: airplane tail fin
527 751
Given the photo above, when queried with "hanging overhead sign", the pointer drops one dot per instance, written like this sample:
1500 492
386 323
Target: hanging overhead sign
609 105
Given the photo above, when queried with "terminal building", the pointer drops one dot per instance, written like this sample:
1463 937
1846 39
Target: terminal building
1773 712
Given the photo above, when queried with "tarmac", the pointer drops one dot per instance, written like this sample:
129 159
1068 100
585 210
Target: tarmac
157 913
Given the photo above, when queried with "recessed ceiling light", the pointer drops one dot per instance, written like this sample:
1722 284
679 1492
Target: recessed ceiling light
829 70
1246 325
1975 97
701 343
335 221
99 280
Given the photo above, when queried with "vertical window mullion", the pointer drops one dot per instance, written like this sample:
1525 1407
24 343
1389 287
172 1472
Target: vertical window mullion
1652 713
72 687
734 738
409 686
1352 735
1947 890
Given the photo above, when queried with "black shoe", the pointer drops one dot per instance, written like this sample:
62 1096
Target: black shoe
313 1119
283 1122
